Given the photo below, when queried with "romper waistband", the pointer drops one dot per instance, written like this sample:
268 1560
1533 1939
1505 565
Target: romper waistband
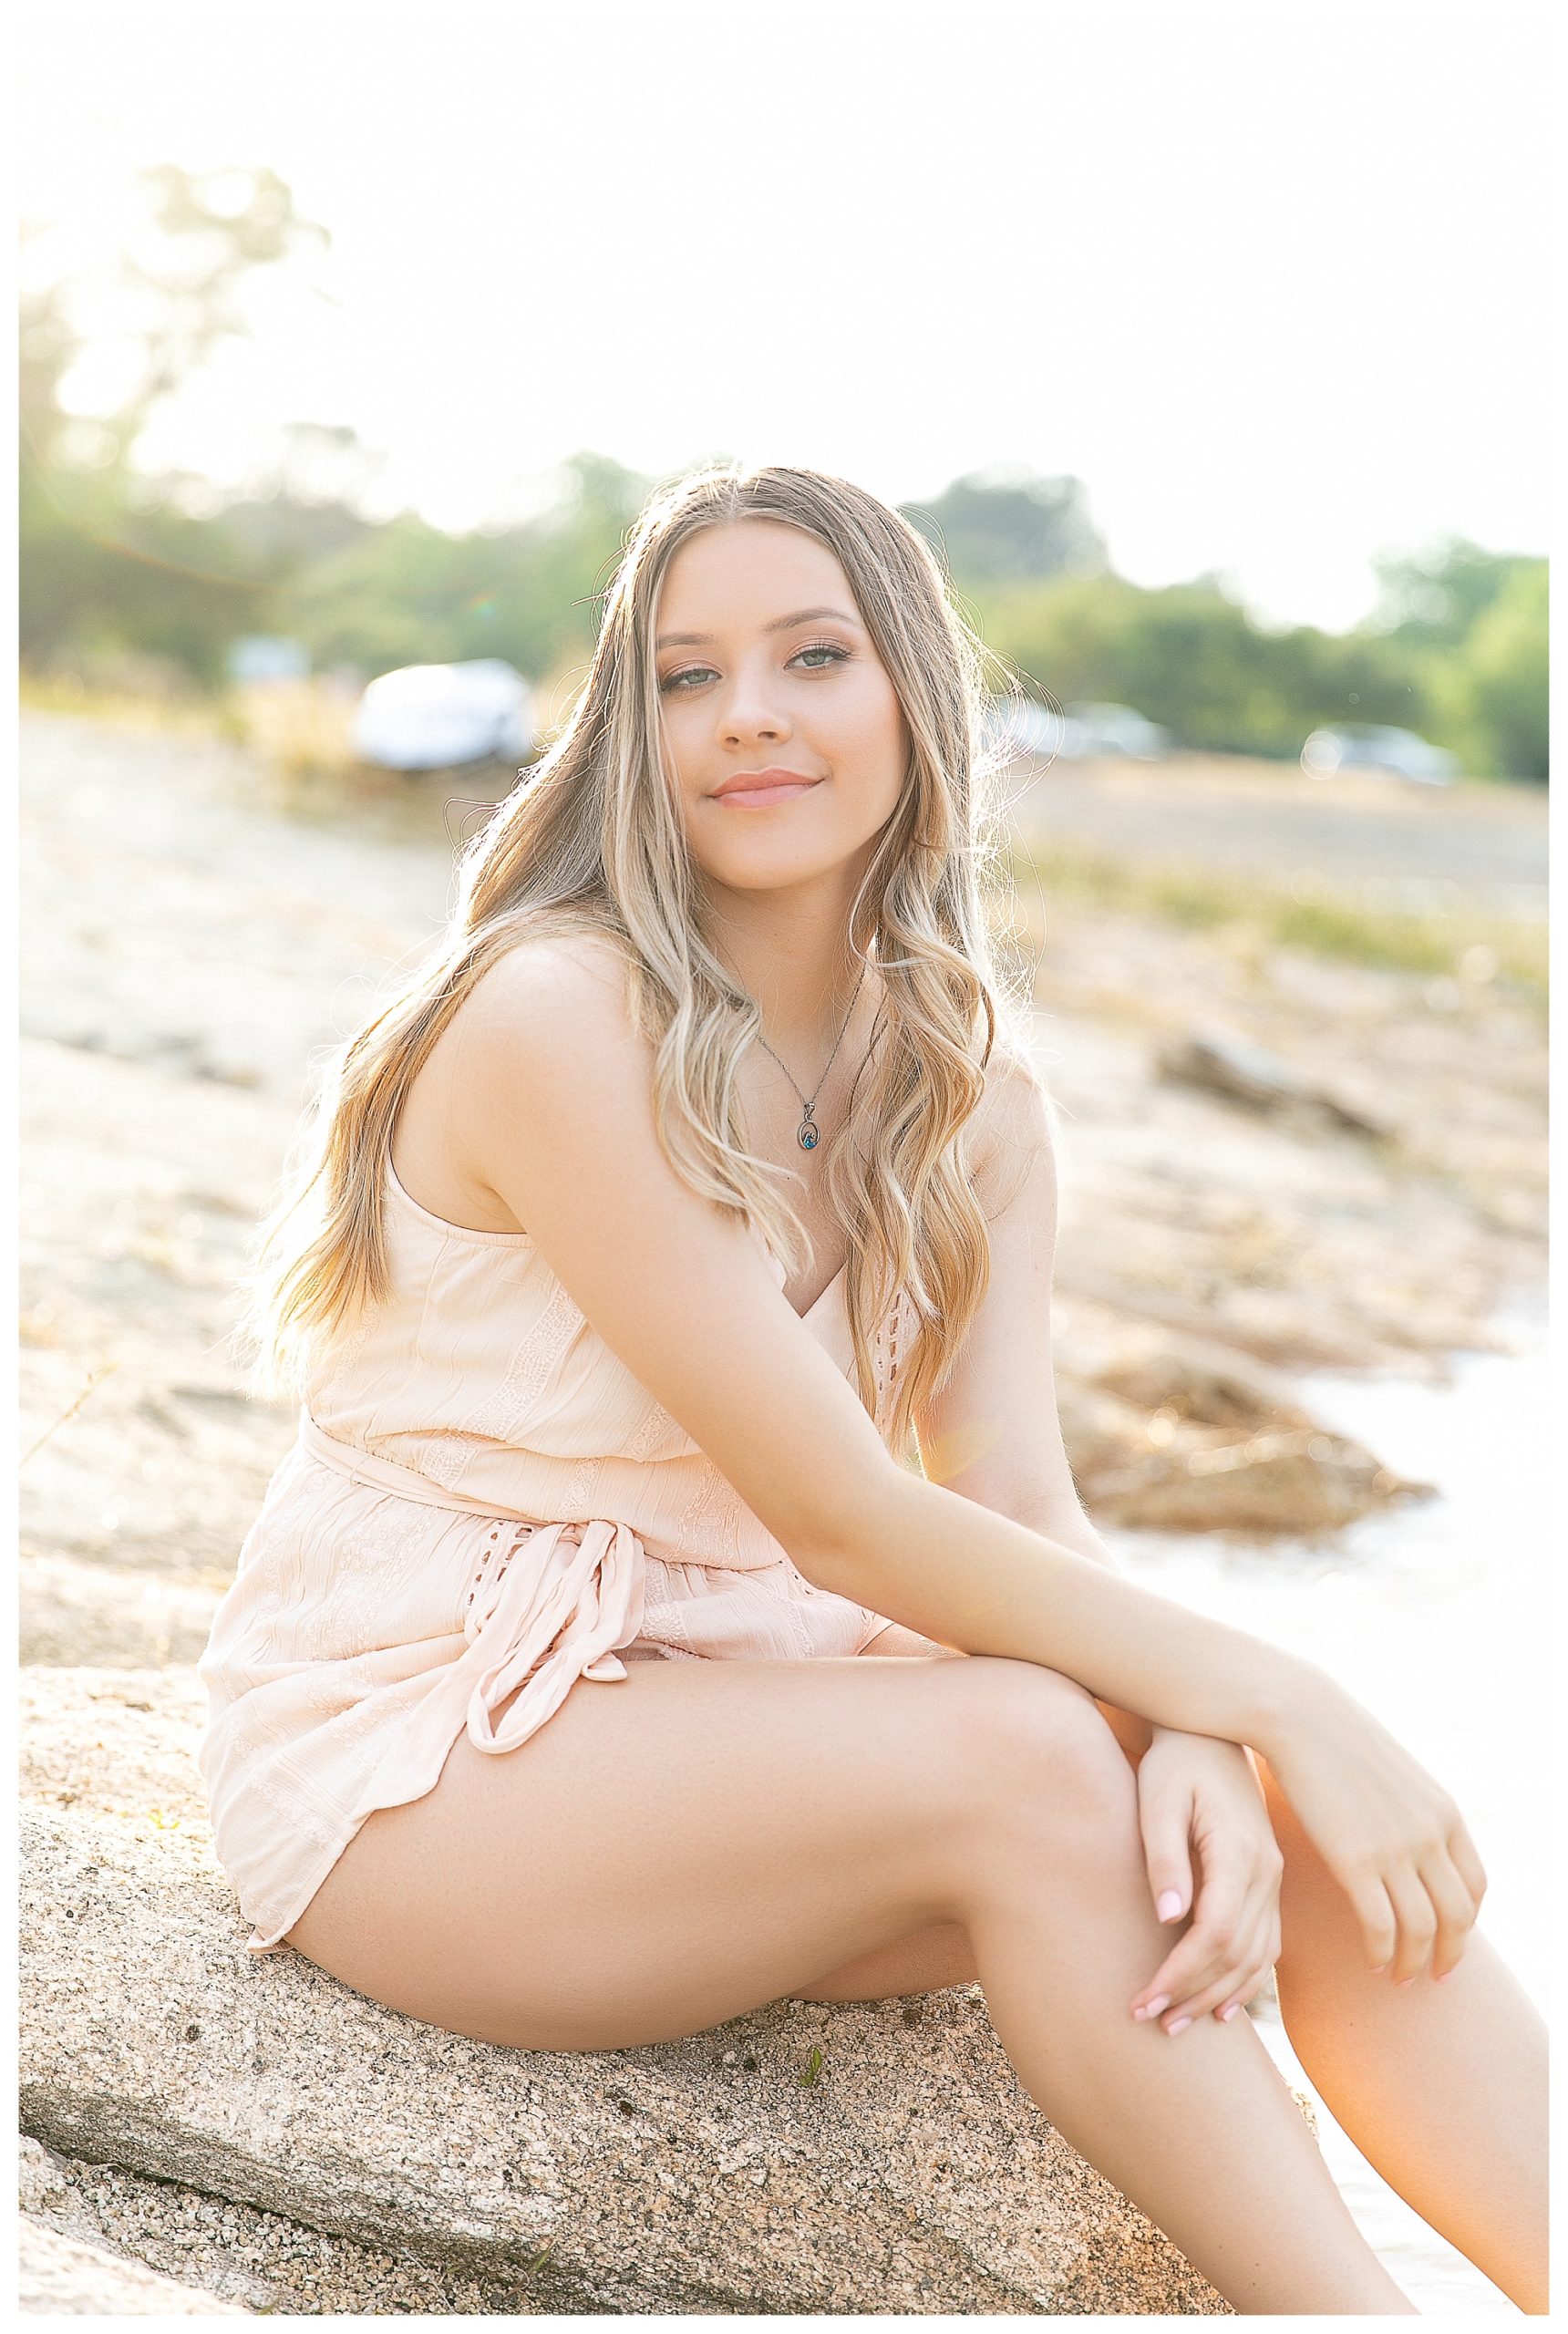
569 1595
388 1475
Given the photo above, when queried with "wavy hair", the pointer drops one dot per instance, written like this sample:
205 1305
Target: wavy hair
592 839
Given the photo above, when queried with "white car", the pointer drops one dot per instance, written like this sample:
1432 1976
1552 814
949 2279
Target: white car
1078 732
436 717
1023 729
1113 730
1365 746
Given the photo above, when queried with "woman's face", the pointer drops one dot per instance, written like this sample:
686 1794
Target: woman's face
767 675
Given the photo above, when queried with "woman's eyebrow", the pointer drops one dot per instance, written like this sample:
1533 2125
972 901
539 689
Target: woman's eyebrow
779 624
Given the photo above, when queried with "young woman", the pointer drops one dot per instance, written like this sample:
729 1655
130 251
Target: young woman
669 1288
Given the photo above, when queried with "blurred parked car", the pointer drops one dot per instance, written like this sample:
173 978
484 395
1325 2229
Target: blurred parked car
1112 730
267 656
433 716
1365 746
1076 732
1021 727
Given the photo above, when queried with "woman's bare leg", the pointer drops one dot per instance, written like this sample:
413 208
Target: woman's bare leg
700 1838
1440 2084
1443 2089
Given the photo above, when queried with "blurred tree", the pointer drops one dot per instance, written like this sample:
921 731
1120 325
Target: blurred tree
1431 598
1494 693
1190 657
405 593
323 463
112 559
1005 526
206 236
47 348
1475 624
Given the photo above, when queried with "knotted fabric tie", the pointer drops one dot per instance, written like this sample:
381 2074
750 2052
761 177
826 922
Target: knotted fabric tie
569 1594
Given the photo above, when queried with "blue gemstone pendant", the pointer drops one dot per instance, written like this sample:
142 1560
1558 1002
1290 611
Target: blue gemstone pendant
806 1136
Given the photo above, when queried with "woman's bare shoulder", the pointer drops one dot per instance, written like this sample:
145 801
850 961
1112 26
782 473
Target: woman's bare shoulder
1013 1128
549 964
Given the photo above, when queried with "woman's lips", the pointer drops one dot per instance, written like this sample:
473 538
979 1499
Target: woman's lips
768 790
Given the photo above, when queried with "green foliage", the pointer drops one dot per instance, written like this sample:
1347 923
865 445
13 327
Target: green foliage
1005 527
1474 622
114 562
1434 597
1192 657
103 575
1493 693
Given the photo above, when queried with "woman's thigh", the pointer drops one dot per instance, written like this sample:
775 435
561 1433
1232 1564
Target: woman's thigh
923 1960
677 1846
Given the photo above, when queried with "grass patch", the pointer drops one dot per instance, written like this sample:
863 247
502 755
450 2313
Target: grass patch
128 704
1458 943
302 730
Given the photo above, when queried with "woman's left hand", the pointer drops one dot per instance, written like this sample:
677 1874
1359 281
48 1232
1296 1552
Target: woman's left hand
1201 1806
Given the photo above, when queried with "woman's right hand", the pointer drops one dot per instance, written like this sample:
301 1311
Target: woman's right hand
1388 1832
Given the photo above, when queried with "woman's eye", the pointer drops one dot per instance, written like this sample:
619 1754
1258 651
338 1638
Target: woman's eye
814 648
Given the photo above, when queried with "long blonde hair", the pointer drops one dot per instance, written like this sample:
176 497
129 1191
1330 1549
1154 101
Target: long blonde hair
592 839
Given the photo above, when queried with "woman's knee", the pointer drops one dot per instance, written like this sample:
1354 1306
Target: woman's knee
1042 1759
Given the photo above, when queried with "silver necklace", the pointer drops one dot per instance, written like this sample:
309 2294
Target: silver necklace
807 1134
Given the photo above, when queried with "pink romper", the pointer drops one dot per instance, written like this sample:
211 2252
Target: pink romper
480 1495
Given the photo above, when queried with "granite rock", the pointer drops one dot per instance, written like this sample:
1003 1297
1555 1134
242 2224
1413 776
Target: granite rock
804 2158
62 2276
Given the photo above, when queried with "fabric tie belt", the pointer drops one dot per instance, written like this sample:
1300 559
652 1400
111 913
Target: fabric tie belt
540 1624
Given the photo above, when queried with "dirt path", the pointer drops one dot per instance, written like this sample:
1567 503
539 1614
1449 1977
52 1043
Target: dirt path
189 945
1363 828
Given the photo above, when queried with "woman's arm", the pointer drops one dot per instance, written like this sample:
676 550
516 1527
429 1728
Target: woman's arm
557 1120
967 1576
555 1117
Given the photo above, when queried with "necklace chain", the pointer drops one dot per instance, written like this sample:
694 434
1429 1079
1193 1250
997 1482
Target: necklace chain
808 1134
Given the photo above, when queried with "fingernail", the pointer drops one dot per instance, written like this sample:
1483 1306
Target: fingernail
1446 1976
1378 1968
1403 1983
1229 2012
1178 2025
1170 1905
1160 2003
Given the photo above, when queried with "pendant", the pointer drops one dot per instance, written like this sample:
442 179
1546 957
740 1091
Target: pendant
806 1135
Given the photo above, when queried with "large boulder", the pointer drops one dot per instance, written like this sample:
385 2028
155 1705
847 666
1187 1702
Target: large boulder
860 2157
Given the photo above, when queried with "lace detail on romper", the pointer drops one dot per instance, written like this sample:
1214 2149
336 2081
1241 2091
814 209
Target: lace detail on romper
501 1543
887 1352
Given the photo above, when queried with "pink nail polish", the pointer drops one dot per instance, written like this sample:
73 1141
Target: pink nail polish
1160 2003
1403 1983
1229 2012
1178 2026
1169 1906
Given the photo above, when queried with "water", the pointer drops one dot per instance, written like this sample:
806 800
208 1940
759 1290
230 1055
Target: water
1435 1616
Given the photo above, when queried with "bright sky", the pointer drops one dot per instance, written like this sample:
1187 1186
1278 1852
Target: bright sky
1267 277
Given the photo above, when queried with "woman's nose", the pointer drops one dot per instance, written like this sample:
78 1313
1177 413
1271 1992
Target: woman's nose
751 710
